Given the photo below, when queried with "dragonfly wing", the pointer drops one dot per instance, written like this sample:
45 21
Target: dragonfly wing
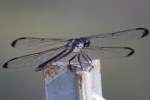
35 43
32 60
117 37
108 52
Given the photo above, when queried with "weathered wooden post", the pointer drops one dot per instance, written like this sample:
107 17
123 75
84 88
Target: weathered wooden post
88 83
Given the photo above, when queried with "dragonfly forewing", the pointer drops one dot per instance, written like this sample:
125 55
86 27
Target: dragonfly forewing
37 43
105 39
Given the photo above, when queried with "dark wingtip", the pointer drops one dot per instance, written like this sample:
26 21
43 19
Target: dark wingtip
146 32
132 51
15 41
5 65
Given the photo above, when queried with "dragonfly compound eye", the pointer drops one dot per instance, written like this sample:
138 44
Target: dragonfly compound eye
87 43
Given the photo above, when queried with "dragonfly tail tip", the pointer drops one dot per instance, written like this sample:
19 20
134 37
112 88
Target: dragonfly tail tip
37 69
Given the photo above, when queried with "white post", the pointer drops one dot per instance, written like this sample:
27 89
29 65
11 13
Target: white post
90 84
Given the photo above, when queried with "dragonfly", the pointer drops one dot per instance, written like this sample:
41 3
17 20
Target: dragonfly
75 50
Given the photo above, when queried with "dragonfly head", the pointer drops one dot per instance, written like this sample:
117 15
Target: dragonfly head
85 41
78 42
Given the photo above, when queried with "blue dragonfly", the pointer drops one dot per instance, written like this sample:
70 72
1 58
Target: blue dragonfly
80 50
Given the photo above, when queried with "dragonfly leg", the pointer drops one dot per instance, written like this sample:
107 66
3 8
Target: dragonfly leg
73 67
80 63
69 65
72 59
88 59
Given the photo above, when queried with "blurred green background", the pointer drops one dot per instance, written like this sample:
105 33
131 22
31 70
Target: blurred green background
123 79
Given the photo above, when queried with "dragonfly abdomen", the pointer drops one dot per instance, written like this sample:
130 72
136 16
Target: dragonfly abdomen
57 57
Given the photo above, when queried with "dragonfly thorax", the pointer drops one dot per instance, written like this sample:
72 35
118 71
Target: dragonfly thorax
77 44
78 48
